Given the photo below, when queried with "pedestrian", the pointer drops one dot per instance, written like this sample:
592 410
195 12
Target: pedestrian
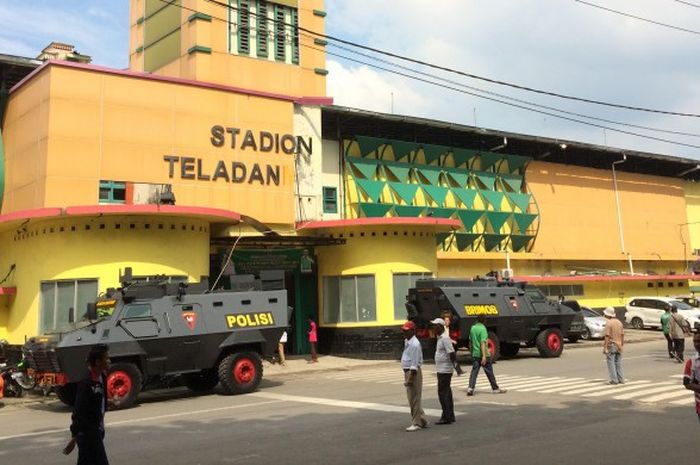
313 339
679 329
666 327
447 317
280 348
445 359
411 361
481 357
87 422
691 373
613 345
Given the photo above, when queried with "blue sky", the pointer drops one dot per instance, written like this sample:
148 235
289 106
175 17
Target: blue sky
557 45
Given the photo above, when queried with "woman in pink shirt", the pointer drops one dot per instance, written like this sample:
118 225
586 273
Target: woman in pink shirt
312 339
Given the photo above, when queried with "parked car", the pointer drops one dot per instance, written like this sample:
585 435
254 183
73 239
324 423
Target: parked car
689 299
595 324
645 312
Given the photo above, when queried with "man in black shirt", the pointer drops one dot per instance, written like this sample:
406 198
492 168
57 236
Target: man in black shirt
87 426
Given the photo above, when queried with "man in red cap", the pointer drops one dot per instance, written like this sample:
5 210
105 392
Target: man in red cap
411 361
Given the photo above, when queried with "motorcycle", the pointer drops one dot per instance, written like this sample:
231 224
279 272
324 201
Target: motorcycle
10 376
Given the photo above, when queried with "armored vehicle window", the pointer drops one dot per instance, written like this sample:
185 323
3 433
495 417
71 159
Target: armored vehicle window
535 294
137 311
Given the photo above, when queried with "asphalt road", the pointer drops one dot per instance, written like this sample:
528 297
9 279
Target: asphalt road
556 411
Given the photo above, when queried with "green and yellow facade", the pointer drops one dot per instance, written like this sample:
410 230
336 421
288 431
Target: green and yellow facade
226 110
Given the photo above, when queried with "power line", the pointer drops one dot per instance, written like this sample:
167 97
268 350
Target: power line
513 99
465 74
622 13
497 100
687 3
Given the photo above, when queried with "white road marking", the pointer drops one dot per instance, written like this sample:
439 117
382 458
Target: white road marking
142 419
588 383
604 389
533 383
677 392
630 386
689 401
351 404
562 382
677 376
632 395
639 356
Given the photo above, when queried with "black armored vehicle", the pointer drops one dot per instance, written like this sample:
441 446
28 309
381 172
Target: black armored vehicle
158 329
517 314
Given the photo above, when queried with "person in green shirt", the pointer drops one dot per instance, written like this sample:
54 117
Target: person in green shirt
666 327
481 357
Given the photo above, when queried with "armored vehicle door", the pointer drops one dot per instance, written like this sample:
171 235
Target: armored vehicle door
539 302
186 336
141 325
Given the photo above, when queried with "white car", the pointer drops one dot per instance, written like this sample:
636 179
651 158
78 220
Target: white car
645 312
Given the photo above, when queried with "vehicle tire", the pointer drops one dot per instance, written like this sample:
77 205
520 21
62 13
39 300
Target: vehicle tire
637 323
549 343
123 384
66 393
240 372
494 347
27 382
201 381
509 349
586 335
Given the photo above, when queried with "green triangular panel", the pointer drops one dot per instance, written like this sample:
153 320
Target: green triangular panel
373 189
375 210
497 219
514 182
441 212
493 197
519 200
465 240
407 192
469 217
463 156
489 159
440 237
519 242
458 176
487 179
437 193
408 210
402 149
400 171
466 196
524 220
368 168
368 144
516 162
431 173
433 152
491 241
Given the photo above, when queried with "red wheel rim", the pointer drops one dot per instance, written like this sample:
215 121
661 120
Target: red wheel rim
244 371
492 347
118 384
553 342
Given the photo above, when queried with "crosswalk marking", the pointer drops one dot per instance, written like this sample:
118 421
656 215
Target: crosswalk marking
644 391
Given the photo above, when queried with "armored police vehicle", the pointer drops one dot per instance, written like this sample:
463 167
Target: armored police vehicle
157 329
517 314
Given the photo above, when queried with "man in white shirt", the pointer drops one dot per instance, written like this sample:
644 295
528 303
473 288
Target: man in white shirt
411 361
445 359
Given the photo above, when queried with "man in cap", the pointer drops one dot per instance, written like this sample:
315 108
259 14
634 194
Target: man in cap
411 361
612 346
445 359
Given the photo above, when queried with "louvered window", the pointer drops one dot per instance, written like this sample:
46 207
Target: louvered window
295 37
261 19
243 27
280 33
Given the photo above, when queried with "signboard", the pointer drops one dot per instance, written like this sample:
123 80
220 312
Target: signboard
251 261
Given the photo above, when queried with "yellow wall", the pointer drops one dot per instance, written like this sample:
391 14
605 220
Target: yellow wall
223 67
380 256
691 235
578 219
46 253
69 128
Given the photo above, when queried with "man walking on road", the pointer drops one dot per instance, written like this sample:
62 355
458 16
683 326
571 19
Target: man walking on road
612 346
88 427
481 357
411 361
445 359
666 327
679 328
691 373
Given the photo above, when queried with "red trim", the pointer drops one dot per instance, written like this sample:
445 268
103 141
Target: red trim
8 291
393 221
215 214
593 278
174 80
